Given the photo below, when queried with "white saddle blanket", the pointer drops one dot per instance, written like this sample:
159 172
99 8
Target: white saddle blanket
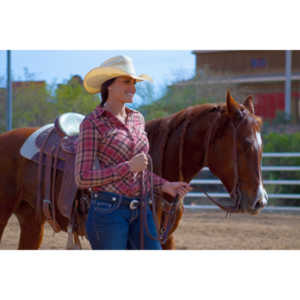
29 148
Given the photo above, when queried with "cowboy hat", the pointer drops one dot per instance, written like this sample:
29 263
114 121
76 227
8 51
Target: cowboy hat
111 68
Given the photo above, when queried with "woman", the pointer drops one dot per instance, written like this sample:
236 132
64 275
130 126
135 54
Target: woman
111 161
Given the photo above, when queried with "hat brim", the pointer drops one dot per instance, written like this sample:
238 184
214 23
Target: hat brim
97 76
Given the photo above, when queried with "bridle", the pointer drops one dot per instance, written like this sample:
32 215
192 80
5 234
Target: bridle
235 193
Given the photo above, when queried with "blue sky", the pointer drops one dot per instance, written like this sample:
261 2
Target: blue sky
164 66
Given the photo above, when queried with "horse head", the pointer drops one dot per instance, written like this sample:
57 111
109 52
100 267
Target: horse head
234 154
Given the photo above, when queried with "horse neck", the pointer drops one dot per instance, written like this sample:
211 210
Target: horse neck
196 143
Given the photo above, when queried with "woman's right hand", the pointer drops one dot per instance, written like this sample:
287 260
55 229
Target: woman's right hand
138 163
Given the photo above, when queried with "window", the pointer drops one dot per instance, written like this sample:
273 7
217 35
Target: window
258 62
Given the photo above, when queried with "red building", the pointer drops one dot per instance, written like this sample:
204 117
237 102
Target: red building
260 73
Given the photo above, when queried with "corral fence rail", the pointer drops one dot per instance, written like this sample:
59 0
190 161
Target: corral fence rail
265 182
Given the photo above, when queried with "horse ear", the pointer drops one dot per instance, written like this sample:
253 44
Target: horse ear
248 103
233 107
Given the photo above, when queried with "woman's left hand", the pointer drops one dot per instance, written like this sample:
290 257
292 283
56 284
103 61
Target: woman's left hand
178 187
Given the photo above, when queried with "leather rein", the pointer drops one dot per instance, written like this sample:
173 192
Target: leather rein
169 209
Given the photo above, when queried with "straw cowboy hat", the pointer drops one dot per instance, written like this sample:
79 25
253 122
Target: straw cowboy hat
111 68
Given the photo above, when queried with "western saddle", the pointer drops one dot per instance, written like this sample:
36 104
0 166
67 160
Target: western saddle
57 147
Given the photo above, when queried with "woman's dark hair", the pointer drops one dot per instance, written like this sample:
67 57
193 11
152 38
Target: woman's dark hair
104 90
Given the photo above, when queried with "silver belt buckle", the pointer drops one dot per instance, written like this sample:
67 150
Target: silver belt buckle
133 204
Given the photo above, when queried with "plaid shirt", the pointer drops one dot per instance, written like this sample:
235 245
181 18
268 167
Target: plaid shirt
105 146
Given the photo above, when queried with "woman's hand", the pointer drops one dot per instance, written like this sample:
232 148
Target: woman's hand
178 187
138 163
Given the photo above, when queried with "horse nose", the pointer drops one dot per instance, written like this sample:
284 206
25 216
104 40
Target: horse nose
259 204
264 199
262 202
261 199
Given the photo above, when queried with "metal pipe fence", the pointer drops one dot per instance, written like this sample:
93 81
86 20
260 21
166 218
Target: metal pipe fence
266 182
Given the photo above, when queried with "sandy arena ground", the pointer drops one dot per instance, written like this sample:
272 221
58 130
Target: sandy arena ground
203 230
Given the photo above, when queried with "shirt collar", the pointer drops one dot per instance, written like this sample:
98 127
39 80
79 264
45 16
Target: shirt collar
100 111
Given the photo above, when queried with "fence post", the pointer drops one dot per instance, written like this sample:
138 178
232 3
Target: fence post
9 93
288 75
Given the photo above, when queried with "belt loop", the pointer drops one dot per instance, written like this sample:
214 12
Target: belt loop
119 200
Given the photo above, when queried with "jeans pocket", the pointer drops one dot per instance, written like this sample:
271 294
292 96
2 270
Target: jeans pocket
104 208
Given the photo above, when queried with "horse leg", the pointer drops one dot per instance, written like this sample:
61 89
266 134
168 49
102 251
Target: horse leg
3 223
32 230
6 210
169 244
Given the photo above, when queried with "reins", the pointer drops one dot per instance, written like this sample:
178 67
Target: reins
168 207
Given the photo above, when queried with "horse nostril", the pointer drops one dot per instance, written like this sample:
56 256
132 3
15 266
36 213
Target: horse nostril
263 202
259 204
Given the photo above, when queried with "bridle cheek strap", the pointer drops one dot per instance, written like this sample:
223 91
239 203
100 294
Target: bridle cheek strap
235 193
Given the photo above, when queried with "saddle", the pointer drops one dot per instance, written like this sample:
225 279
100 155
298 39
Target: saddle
56 153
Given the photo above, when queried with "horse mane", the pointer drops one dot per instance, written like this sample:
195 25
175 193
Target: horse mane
191 112
162 129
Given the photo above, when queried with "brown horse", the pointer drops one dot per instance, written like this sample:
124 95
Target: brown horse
223 137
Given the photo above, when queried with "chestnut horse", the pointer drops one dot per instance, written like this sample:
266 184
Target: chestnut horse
223 137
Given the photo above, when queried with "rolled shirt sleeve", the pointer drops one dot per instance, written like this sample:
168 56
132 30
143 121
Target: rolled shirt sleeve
158 182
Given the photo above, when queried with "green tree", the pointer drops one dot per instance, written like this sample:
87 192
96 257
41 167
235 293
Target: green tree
31 105
72 97
36 103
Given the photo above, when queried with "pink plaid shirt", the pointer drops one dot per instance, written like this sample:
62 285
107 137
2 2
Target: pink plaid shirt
105 146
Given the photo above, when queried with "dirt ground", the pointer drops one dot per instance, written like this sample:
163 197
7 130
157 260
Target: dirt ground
203 230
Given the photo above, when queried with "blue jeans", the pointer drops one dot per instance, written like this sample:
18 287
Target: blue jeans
112 225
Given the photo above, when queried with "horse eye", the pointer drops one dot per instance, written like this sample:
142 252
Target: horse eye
248 144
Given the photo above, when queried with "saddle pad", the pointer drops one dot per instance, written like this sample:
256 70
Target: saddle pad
29 148
69 123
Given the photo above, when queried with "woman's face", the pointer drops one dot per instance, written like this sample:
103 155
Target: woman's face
122 89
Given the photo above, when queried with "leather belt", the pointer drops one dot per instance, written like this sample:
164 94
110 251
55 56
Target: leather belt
108 197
